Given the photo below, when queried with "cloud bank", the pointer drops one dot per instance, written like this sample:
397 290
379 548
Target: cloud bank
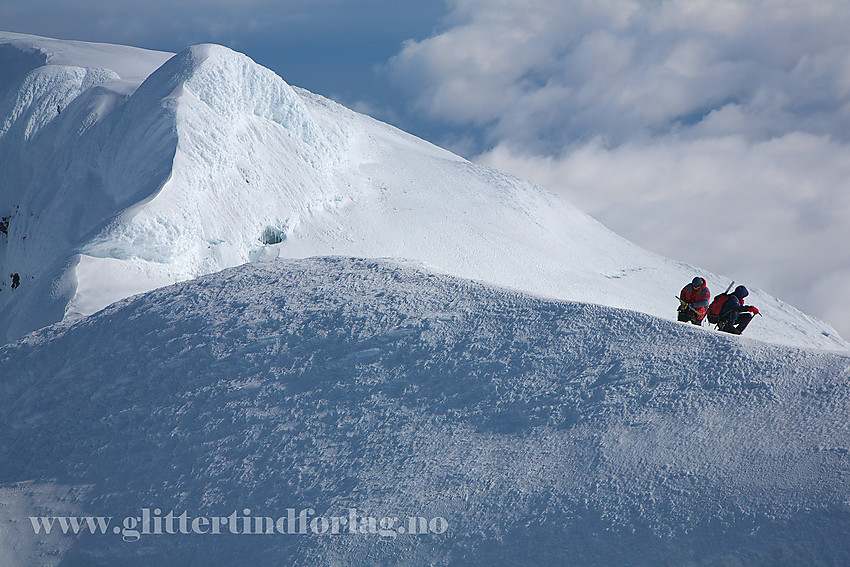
713 132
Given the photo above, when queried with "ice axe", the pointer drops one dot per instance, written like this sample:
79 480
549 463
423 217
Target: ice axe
682 303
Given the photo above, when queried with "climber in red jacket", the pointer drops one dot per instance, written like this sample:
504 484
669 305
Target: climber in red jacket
693 301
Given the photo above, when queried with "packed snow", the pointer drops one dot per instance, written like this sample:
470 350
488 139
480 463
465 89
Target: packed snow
542 432
127 170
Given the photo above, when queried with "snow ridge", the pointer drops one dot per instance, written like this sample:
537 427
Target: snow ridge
542 431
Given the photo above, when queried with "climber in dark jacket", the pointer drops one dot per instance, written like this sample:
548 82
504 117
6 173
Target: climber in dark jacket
734 315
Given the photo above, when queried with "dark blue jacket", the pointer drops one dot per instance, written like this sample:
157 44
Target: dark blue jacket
731 308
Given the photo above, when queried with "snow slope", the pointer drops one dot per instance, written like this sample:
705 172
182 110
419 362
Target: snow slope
158 171
543 432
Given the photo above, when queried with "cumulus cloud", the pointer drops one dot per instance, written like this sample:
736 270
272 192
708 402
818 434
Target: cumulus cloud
550 72
713 132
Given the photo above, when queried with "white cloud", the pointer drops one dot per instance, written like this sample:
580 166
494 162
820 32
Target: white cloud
622 68
715 132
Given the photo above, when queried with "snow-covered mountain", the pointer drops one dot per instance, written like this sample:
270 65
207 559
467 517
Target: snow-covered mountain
339 320
532 432
125 170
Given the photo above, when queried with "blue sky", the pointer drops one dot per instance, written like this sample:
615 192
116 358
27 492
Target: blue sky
716 133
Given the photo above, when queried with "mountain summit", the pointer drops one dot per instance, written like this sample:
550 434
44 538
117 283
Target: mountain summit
126 170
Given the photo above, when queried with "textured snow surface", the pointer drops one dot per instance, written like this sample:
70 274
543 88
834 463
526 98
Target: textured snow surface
160 169
544 432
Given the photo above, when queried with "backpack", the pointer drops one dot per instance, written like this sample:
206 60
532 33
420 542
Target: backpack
715 307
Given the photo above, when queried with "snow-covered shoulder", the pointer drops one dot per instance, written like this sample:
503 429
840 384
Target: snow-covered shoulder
129 63
523 430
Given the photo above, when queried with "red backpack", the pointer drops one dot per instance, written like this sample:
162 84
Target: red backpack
715 307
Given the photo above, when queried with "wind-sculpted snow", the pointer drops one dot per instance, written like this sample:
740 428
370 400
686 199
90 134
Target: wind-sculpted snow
124 172
218 200
542 432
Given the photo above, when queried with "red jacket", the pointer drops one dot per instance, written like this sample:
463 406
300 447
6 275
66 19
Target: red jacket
696 297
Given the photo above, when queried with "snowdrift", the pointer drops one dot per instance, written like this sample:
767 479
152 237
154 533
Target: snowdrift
542 432
127 170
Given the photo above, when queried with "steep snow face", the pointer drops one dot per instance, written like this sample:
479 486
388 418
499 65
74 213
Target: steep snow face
215 161
69 163
542 432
